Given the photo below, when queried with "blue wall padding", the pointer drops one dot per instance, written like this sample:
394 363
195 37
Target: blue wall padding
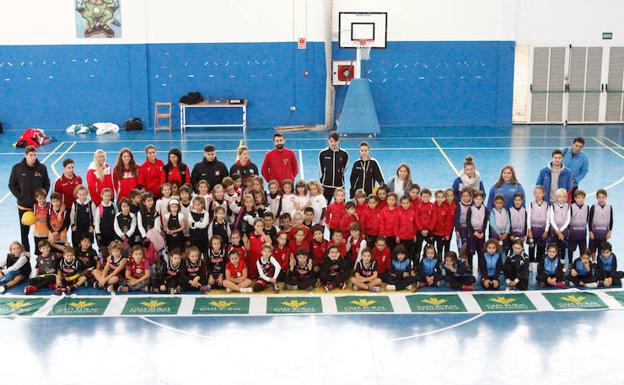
413 83
358 114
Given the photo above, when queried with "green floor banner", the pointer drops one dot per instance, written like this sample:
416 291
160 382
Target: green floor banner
580 300
364 304
618 295
152 306
504 302
80 306
281 305
20 306
221 305
424 303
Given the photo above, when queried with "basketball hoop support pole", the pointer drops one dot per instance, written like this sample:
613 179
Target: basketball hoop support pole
358 63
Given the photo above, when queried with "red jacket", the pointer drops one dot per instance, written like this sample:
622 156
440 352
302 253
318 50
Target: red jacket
345 223
424 216
452 210
255 252
405 224
151 176
334 213
66 187
443 219
280 165
382 205
96 185
293 231
293 247
282 255
370 221
342 247
359 209
123 185
319 249
174 176
386 221
383 258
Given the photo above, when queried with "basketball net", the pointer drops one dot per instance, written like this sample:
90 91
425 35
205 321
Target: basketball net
364 48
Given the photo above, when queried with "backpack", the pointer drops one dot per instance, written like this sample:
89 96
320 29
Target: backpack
192 98
133 124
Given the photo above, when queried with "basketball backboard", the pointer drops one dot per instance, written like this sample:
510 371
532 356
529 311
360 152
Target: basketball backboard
354 27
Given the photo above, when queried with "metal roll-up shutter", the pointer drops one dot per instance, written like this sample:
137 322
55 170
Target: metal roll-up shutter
593 76
556 74
539 84
578 58
615 82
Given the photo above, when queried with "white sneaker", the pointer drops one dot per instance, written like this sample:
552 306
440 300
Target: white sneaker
409 287
355 288
374 289
246 290
390 287
2 289
591 285
228 290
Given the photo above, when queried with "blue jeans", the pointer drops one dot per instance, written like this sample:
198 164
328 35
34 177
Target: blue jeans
8 277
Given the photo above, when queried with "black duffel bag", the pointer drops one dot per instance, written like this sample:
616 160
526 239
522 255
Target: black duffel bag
134 124
192 98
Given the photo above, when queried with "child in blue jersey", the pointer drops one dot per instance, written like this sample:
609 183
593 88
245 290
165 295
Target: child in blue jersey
456 273
428 272
491 266
516 267
582 272
500 223
606 270
400 277
550 269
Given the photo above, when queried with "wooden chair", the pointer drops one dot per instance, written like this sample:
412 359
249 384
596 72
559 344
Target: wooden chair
162 110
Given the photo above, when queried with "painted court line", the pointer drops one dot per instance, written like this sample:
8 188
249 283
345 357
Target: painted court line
58 175
8 194
445 156
604 146
616 144
453 326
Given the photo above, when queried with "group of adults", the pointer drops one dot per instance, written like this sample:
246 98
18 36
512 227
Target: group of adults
566 170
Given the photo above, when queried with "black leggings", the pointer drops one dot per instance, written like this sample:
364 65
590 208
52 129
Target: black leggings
301 281
399 282
24 230
456 283
43 281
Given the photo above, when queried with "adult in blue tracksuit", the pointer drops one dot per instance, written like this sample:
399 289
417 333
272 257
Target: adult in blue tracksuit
576 161
555 176
507 186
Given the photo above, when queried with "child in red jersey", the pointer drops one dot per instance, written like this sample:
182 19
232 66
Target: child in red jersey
387 217
319 244
405 227
58 223
41 210
238 243
370 220
382 197
366 275
298 244
236 274
339 241
298 224
442 222
382 255
335 211
350 217
257 240
137 272
424 220
356 243
268 270
281 252
360 202
113 272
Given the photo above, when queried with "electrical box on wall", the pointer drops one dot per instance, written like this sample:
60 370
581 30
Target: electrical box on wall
343 72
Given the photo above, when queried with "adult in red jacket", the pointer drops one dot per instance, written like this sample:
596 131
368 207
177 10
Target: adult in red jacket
67 183
280 163
126 174
175 171
99 177
151 172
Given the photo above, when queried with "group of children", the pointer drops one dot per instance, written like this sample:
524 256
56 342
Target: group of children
238 237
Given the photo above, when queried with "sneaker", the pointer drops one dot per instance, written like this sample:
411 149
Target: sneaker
123 289
374 289
329 287
560 285
343 286
390 287
355 288
58 291
174 291
228 290
310 288
246 290
591 285
205 289
30 289
96 285
110 288
291 287
468 287
409 287
275 289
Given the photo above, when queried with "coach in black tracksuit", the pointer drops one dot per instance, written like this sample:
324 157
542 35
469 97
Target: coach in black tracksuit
26 177
209 169
332 163
365 173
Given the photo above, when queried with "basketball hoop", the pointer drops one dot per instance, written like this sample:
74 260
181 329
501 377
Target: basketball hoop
364 48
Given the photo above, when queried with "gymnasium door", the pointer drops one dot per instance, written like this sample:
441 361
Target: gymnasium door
576 85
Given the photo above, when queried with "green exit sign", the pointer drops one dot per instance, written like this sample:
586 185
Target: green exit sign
607 35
